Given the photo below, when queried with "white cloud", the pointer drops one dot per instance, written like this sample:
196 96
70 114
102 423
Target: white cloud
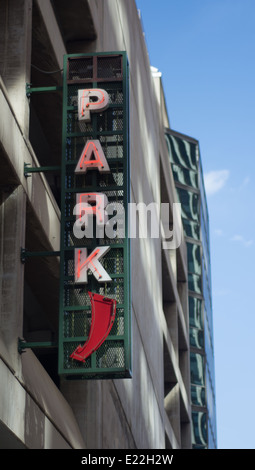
241 239
215 180
244 183
218 232
221 292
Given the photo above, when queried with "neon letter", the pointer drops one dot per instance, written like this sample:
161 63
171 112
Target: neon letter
82 263
90 204
91 100
92 156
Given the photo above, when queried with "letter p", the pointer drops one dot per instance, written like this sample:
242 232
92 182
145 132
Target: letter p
91 100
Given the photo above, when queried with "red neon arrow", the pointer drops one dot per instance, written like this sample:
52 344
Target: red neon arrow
103 315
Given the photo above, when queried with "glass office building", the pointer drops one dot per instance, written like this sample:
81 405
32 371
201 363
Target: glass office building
187 170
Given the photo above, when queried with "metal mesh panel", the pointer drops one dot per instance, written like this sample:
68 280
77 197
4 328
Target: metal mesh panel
115 92
111 120
112 146
70 364
77 323
72 241
97 67
114 290
75 296
118 328
113 261
109 67
111 355
80 69
107 121
74 126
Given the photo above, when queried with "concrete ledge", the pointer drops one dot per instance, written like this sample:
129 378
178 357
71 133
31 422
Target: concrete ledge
47 397
49 422
170 433
51 25
172 355
17 151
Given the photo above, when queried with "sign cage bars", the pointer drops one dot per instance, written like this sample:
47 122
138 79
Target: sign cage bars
93 368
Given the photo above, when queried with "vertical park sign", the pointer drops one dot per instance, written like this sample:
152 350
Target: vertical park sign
94 313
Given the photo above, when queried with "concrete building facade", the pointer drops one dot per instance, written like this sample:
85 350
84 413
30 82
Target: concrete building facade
40 408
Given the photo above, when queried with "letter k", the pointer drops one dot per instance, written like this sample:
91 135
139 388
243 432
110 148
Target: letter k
83 263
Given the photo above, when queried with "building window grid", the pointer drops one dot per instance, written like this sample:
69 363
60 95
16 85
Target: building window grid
201 434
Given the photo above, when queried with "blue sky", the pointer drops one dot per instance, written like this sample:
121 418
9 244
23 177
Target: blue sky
205 50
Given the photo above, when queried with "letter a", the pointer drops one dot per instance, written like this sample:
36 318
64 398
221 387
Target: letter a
92 157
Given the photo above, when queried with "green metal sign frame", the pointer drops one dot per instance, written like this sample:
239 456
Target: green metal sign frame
107 71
